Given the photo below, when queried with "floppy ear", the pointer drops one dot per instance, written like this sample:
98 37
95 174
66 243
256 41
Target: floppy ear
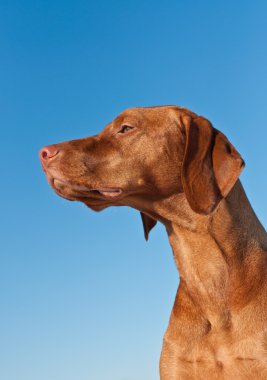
148 224
211 165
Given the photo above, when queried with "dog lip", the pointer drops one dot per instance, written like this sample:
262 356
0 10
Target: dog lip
107 192
110 192
43 167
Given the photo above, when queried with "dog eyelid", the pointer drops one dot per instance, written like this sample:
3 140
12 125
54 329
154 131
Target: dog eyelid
125 128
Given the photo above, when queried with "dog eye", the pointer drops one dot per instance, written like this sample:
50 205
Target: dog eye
125 128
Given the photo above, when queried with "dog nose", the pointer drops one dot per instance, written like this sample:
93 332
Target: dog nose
48 152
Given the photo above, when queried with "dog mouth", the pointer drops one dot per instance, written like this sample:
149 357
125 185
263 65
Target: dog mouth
81 192
107 192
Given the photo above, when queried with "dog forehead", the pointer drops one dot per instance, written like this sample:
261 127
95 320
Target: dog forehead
154 115
151 111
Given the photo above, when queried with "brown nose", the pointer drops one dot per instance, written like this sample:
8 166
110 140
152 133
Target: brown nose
48 152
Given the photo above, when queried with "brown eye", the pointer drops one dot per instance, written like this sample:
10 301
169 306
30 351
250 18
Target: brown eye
125 128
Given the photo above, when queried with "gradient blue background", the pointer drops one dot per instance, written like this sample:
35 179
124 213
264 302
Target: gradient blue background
82 295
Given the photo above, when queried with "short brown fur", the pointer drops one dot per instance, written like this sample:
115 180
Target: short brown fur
175 167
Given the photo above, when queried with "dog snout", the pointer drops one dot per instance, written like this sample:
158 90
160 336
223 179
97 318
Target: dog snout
48 152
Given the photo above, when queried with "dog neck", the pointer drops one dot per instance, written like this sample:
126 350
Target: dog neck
221 258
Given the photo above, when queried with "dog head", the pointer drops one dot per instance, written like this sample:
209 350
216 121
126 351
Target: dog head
143 156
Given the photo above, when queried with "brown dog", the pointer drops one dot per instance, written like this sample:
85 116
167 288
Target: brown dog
174 167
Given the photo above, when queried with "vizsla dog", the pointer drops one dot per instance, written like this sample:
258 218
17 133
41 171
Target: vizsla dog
175 167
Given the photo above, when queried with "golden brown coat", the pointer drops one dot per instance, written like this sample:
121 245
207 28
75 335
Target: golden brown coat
175 167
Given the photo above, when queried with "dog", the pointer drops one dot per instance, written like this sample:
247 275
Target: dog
174 167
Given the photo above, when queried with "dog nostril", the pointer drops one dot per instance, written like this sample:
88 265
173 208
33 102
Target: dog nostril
48 152
44 154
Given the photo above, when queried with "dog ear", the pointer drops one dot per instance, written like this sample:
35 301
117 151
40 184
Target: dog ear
148 224
211 165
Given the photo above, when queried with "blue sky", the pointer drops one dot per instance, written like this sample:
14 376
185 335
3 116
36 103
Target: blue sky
83 296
